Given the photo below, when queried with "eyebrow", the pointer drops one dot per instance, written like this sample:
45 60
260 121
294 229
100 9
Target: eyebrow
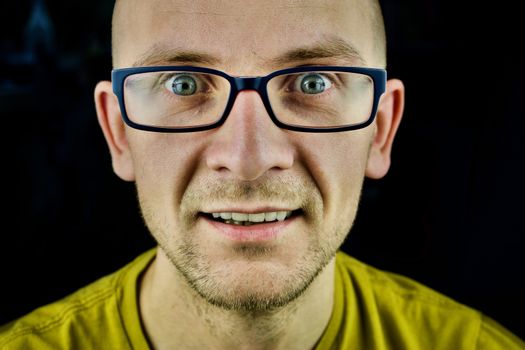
158 55
332 47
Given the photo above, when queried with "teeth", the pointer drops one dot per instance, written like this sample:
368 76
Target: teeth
259 217
270 216
225 216
239 217
256 217
281 215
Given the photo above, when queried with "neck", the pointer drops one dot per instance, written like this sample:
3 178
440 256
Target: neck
175 316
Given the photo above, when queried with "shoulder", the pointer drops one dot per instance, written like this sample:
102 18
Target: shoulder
79 320
391 287
46 326
412 315
493 336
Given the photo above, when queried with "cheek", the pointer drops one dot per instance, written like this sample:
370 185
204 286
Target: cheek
337 163
164 164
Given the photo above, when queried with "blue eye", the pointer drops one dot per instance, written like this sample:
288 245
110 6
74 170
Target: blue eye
183 85
312 83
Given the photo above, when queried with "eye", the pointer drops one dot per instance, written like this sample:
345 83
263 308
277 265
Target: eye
312 83
182 84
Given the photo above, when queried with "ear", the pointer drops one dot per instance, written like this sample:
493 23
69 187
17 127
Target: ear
389 113
114 129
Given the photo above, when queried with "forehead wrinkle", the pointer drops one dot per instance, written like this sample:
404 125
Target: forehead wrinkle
255 7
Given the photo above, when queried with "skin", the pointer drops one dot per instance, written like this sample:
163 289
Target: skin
203 290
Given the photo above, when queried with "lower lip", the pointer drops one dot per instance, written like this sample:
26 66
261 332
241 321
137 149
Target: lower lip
252 233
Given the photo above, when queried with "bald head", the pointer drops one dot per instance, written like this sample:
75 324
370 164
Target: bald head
136 22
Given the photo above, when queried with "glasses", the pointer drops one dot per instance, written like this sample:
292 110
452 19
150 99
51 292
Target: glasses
307 99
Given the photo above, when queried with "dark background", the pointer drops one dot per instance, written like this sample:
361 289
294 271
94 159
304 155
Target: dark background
449 214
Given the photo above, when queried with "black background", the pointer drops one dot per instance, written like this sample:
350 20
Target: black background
449 214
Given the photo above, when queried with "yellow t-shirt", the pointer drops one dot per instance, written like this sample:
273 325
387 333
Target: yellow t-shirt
373 309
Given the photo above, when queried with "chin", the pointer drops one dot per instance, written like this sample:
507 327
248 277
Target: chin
250 278
255 287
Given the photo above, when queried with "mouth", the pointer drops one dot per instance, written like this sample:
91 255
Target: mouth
256 227
251 219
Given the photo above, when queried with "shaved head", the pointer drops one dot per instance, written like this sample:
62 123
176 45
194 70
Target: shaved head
127 11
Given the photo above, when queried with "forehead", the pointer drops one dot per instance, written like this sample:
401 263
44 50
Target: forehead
247 34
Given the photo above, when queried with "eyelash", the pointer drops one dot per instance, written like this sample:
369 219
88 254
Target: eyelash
289 85
335 83
202 88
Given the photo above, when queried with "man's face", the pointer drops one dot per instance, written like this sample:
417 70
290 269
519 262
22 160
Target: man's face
248 164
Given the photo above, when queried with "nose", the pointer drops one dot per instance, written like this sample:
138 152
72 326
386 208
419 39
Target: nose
249 144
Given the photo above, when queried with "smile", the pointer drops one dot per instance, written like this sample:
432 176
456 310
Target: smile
248 219
251 227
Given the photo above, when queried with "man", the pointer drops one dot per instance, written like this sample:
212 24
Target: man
248 128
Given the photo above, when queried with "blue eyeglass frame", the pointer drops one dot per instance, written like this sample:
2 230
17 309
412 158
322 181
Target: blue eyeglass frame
258 84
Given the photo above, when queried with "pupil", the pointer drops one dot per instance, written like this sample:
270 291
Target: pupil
184 86
313 84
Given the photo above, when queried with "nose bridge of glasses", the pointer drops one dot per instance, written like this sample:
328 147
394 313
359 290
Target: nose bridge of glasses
247 83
